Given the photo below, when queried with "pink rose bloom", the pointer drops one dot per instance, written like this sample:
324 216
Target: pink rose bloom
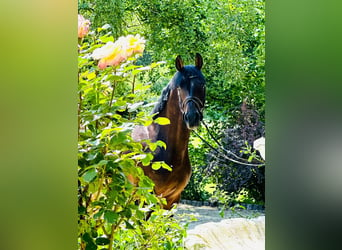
112 54
135 44
83 26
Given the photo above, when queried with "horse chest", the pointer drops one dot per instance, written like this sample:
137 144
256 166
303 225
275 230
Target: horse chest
170 183
181 171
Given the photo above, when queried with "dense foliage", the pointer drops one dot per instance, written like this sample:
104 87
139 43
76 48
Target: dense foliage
230 35
114 195
246 174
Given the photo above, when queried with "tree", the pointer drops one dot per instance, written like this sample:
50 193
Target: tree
230 35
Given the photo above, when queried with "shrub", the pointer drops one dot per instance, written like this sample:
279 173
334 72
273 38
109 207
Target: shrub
247 173
114 195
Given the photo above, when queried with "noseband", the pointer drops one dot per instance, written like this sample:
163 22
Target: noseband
198 103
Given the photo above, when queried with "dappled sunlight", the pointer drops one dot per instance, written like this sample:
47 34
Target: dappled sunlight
238 229
235 233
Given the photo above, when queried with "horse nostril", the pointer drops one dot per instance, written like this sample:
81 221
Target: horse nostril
188 116
192 118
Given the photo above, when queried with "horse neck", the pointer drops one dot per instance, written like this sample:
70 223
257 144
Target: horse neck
176 134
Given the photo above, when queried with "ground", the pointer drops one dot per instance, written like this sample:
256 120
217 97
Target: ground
205 214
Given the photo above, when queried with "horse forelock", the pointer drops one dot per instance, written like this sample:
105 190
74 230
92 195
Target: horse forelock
192 70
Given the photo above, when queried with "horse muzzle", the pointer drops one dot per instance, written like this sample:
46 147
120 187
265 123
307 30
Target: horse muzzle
191 109
192 119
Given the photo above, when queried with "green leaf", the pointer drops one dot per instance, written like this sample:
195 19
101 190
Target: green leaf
129 225
156 165
153 199
147 123
161 144
145 182
119 103
166 166
139 157
117 116
118 138
102 162
160 164
147 160
127 213
90 245
89 175
106 39
130 67
91 156
250 158
98 214
222 213
115 78
91 76
162 121
102 241
81 210
111 217
153 146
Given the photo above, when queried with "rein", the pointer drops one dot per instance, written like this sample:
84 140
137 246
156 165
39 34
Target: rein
221 151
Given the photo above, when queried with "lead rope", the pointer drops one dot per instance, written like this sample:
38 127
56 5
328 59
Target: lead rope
223 149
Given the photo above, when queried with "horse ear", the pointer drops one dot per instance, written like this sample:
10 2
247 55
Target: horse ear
179 63
198 61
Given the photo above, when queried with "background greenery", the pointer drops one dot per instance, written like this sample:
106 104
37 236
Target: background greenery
114 195
230 35
39 128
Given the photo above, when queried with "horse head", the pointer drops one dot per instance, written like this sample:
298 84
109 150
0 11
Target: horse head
190 84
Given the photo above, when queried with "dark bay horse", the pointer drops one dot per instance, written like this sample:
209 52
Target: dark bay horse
182 102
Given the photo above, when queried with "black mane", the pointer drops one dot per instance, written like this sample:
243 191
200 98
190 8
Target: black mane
159 107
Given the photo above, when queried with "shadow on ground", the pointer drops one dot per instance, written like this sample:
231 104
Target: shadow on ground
205 214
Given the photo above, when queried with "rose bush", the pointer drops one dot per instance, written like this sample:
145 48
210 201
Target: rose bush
112 211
